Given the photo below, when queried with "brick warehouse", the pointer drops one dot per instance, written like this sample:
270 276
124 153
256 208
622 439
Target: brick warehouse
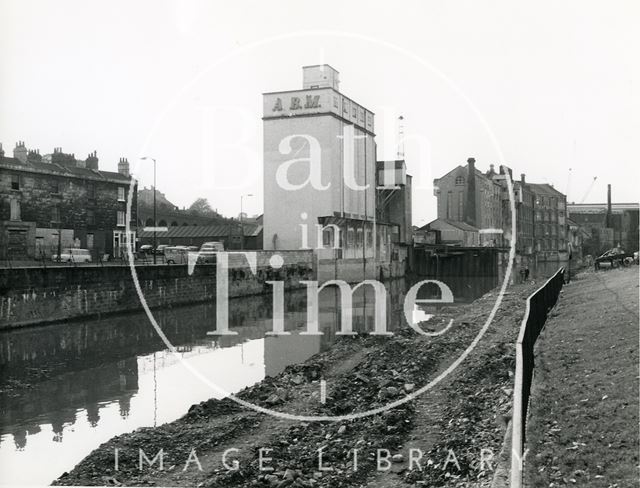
57 200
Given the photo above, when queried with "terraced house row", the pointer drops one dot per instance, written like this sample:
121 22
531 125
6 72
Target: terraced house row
53 201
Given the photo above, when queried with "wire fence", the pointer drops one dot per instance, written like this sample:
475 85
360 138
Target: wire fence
538 306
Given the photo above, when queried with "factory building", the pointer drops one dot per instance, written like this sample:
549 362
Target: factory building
320 181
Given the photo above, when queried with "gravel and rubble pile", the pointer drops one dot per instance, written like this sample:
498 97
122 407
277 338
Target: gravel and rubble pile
477 401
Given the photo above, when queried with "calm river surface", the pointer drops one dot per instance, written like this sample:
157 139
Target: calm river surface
67 388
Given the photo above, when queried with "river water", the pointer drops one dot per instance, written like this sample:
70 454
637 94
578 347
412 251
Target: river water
67 388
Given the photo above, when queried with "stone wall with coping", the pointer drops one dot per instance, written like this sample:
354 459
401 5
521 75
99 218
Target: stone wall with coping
33 296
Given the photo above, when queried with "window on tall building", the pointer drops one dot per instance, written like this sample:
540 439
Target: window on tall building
120 218
15 209
327 237
121 193
55 214
91 217
91 190
15 182
55 186
459 180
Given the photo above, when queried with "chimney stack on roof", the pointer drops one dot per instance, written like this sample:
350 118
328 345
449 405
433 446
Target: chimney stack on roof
20 152
60 158
92 161
1 151
522 178
123 166
34 156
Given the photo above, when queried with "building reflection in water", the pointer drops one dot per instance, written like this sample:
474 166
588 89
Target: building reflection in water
89 381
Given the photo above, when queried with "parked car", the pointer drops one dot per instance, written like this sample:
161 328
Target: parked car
73 255
146 249
212 246
611 258
178 254
160 249
208 251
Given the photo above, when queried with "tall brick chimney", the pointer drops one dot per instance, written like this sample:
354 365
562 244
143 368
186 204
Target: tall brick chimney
123 166
470 207
1 151
522 179
608 222
20 152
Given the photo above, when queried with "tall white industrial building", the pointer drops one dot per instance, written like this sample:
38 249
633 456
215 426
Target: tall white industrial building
294 121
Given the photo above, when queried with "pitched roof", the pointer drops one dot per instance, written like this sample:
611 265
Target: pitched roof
544 188
191 231
453 223
225 230
466 171
63 170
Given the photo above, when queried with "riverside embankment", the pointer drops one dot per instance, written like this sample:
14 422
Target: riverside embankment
457 427
39 295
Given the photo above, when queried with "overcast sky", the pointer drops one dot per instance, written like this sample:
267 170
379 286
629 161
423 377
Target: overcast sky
541 86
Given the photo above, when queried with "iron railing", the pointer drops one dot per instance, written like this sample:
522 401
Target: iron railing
536 311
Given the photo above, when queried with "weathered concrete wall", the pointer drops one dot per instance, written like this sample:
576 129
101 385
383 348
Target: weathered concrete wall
354 270
30 296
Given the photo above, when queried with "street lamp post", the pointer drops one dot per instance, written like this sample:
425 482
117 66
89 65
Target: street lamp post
242 220
155 223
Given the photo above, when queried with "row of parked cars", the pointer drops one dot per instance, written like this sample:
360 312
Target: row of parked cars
180 254
171 254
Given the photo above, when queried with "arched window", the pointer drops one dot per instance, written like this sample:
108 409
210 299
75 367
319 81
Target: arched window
460 180
174 224
184 224
149 222
162 223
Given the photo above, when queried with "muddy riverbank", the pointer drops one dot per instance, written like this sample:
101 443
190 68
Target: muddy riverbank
456 429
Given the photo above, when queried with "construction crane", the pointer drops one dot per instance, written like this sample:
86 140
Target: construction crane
586 194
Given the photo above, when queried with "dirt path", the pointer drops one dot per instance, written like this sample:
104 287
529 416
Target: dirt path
466 413
583 429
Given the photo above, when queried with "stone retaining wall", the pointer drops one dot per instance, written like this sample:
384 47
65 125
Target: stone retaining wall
31 296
